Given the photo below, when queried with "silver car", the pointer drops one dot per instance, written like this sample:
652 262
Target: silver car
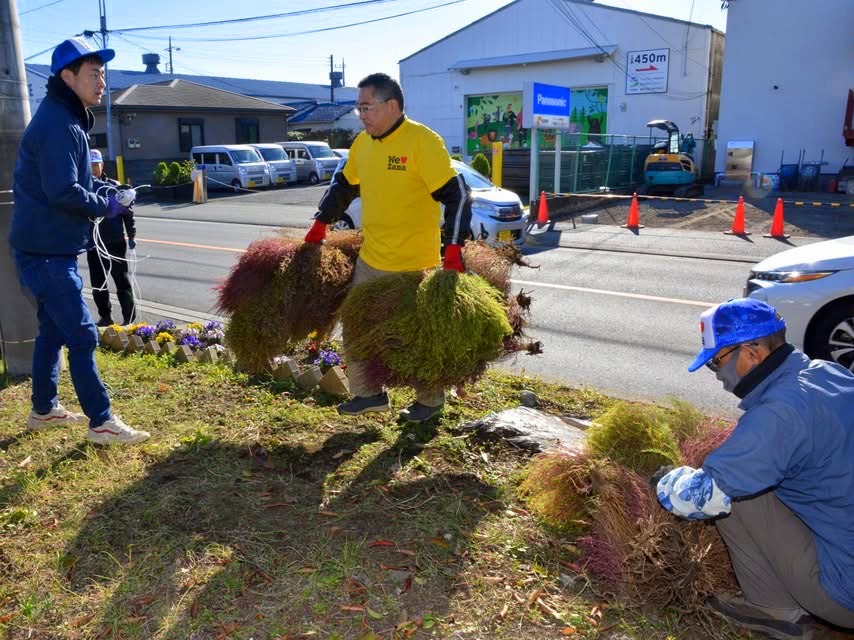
497 216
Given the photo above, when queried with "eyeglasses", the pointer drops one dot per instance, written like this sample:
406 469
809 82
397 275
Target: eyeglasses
362 109
715 363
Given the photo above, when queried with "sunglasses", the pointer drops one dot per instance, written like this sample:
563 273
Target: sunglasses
715 363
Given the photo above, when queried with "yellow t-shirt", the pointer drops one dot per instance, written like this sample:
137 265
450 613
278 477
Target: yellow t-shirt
396 175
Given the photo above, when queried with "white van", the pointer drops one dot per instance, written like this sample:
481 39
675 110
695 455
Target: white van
231 166
282 168
314 160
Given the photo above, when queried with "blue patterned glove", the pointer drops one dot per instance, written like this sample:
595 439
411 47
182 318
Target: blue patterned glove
131 244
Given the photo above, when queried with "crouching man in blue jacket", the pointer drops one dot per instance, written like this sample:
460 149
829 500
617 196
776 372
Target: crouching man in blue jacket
782 485
55 205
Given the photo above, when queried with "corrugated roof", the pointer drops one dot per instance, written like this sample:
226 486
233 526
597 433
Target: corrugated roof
184 95
534 57
322 113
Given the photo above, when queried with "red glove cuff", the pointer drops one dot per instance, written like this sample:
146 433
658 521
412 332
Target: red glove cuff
454 258
317 232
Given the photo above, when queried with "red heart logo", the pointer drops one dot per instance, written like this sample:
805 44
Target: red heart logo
403 159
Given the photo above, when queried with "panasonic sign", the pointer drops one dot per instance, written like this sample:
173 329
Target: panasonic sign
545 106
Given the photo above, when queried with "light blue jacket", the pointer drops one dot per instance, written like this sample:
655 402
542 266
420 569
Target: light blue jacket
796 438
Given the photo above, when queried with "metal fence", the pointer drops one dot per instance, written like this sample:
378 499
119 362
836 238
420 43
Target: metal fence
588 163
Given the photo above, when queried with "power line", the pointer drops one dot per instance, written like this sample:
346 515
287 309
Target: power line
310 31
44 6
272 16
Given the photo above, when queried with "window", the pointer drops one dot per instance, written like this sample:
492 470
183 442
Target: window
191 133
247 131
222 158
98 141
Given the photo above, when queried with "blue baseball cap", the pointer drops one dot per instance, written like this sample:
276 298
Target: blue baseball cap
735 321
74 49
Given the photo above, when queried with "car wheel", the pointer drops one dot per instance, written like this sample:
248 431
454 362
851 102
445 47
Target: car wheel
235 184
344 224
831 334
313 178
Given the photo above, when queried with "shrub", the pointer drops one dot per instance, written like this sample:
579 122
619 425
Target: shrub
456 156
480 164
161 173
433 330
635 435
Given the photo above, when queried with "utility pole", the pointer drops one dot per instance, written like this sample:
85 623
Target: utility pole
18 326
170 49
102 7
331 81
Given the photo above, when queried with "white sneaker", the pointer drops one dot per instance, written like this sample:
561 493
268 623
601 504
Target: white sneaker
114 430
59 415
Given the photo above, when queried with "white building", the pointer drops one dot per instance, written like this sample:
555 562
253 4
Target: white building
624 68
788 67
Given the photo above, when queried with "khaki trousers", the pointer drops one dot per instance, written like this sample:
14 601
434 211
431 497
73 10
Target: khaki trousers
359 384
774 557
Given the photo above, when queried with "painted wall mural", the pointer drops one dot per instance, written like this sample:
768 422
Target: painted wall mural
498 117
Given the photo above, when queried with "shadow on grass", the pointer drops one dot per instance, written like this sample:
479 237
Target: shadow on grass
222 538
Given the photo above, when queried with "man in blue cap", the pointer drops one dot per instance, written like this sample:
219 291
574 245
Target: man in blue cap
782 485
56 201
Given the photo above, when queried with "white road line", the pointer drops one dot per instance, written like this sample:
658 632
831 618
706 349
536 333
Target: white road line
619 294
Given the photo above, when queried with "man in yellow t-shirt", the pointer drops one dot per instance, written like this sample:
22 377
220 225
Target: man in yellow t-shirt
403 173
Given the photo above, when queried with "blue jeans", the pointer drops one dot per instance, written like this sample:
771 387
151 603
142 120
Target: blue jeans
64 319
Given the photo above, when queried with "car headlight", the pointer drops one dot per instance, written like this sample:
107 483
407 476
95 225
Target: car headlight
789 276
241 169
266 170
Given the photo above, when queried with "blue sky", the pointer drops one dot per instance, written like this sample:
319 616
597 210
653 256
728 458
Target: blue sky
364 49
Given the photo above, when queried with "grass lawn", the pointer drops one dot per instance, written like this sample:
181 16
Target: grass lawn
255 511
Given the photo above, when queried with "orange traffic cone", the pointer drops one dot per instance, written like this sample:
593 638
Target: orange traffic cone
738 222
542 211
634 215
777 222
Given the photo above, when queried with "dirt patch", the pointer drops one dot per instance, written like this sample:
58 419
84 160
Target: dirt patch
714 215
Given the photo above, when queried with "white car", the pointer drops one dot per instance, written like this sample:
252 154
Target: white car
497 215
812 287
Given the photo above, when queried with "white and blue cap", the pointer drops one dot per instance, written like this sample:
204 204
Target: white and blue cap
95 156
73 49
735 321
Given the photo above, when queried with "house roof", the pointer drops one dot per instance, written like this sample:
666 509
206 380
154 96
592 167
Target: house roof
185 95
535 56
271 90
322 113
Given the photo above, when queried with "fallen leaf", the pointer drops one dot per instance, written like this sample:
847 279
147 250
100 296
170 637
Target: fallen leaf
484 456
270 505
404 552
568 631
492 579
381 543
503 613
328 514
25 462
306 570
373 614
341 453
532 598
394 567
353 608
194 608
439 542
7 617
407 585
548 610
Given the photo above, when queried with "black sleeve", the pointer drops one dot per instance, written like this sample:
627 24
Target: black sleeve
337 198
130 224
454 194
